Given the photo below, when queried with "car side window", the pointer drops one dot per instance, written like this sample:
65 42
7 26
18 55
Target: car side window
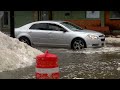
54 27
40 26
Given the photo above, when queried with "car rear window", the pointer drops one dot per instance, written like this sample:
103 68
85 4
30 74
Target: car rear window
71 26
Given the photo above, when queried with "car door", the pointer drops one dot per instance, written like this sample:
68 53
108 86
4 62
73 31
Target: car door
56 36
39 33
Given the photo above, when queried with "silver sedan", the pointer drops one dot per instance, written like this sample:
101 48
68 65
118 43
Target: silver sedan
59 34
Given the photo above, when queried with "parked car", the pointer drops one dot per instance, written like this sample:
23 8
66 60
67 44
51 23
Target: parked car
59 34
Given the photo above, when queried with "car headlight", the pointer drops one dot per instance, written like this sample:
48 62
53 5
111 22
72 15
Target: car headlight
92 36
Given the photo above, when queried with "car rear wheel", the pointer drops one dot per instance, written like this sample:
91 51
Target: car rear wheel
78 44
25 40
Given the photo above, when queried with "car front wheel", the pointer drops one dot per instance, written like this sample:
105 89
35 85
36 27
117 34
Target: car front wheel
78 44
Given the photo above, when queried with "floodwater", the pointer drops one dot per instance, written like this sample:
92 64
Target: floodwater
89 63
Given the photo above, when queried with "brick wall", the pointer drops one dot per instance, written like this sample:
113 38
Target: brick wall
92 25
104 30
112 23
85 23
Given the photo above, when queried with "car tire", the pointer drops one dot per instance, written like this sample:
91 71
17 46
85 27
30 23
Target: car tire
25 40
78 44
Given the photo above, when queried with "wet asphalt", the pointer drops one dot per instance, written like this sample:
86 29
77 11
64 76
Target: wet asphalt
89 63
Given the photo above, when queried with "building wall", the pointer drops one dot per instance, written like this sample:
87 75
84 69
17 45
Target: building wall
5 21
114 24
22 18
103 24
63 15
79 18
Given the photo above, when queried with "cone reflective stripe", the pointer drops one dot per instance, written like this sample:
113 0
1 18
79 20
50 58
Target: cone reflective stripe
47 66
47 70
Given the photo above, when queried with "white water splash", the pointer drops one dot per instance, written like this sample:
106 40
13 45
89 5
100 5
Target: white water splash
112 40
97 50
105 49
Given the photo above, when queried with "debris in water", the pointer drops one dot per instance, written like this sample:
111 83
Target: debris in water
118 67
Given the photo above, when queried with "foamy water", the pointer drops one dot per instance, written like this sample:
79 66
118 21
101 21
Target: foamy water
112 40
97 50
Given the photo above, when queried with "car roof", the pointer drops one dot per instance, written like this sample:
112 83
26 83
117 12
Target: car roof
45 21
49 21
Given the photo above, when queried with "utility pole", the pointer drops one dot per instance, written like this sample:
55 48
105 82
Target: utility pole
38 13
102 14
12 32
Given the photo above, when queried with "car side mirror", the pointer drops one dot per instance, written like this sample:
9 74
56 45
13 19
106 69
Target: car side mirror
63 30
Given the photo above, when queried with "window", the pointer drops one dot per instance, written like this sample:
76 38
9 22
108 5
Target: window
92 14
40 26
71 26
54 27
114 14
46 26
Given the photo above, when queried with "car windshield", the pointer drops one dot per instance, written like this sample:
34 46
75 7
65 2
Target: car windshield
71 26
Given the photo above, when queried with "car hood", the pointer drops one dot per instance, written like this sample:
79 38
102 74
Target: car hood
85 31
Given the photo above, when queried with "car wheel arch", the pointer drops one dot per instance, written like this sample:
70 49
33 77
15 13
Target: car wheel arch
76 39
26 38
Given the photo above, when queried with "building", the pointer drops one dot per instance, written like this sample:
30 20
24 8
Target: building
103 21
5 21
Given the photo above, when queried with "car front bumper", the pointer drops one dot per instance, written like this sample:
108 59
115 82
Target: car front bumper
95 43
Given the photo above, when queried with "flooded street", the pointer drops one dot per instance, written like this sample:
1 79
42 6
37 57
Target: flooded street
89 63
